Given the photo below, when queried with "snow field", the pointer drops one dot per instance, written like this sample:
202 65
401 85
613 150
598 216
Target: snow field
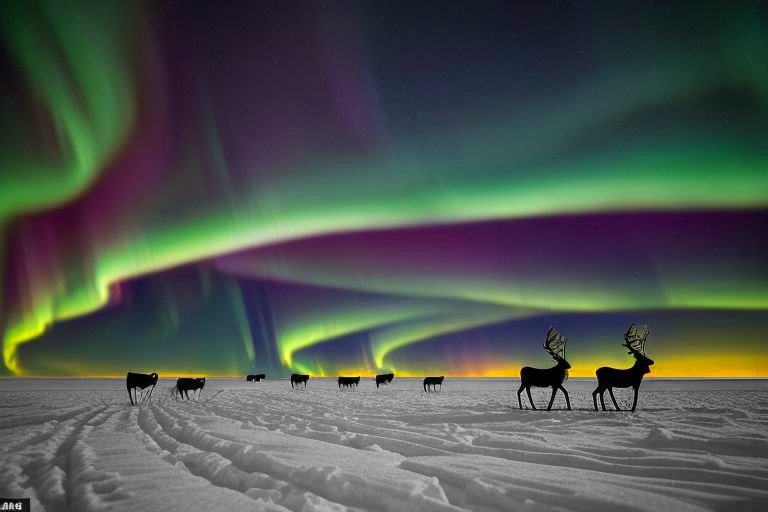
77 445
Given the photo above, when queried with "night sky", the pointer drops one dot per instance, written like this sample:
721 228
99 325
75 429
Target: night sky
223 188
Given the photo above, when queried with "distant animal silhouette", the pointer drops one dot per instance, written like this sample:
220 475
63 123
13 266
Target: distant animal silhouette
384 379
298 379
255 378
186 384
609 378
433 381
348 382
140 381
553 377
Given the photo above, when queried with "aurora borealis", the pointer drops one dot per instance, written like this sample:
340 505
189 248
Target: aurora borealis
335 187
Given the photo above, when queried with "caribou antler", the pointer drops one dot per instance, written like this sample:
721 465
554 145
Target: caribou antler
555 343
634 341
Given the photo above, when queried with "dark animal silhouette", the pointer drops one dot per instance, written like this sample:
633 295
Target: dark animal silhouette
348 382
298 379
384 379
186 384
609 378
553 377
433 381
255 378
140 381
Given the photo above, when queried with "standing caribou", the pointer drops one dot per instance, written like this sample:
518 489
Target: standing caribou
553 377
298 379
434 382
134 381
384 379
186 384
609 378
348 382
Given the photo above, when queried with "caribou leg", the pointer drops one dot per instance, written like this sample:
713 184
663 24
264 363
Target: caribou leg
594 396
528 390
519 391
149 398
129 396
610 390
552 399
634 403
602 401
567 401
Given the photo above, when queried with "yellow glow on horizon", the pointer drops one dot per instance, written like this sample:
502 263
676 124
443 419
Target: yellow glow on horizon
712 365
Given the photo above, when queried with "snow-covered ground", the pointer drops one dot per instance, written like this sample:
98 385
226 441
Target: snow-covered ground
77 445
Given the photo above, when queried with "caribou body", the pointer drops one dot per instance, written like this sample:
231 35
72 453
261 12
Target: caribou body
384 379
298 379
433 381
186 384
609 378
348 382
134 381
549 377
255 378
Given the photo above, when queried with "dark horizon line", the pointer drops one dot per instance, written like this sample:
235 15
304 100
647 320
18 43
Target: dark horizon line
14 377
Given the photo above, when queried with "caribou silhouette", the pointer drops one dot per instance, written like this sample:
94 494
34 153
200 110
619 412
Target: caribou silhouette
255 378
433 381
348 382
553 377
134 381
384 379
186 384
609 378
298 379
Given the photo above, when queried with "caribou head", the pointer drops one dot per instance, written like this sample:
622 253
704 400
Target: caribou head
555 346
634 340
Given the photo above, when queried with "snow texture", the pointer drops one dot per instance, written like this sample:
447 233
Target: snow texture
77 445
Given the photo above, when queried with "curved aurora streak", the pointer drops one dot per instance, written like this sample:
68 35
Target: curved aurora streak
395 228
86 100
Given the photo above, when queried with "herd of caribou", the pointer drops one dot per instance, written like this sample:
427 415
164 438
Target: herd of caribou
554 344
